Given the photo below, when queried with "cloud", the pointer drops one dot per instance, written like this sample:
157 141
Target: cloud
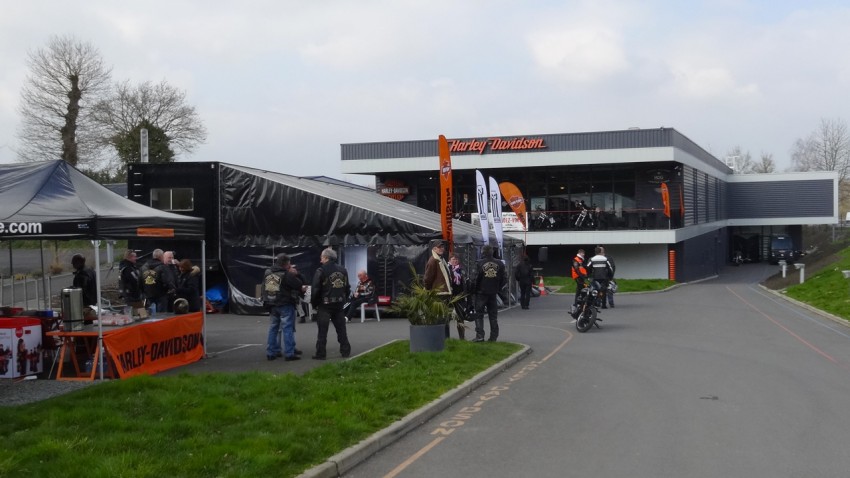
578 55
709 83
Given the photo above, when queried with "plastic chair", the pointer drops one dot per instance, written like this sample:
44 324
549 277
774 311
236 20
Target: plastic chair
363 311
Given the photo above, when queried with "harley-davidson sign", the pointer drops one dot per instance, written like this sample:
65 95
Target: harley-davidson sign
482 146
393 188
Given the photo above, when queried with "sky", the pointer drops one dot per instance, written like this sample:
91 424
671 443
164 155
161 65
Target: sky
280 85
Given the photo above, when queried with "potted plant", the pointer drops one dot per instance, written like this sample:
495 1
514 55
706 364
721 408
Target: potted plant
428 311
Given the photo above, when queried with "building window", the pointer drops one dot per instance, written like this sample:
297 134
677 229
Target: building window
173 199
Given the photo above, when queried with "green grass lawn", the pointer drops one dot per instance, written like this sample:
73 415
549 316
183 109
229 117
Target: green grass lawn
623 285
231 425
827 289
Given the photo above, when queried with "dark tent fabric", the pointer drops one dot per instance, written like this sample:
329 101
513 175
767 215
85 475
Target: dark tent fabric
263 213
261 208
53 200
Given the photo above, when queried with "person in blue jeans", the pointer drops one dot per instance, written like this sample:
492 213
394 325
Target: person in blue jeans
282 289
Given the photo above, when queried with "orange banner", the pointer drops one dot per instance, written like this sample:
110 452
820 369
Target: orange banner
665 198
513 196
446 212
154 232
152 347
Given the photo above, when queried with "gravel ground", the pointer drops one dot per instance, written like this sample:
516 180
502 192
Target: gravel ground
29 391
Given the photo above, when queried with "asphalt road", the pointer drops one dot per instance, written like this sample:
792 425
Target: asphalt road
713 379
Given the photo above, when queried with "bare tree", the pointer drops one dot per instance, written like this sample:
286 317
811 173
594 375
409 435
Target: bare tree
160 105
826 149
740 161
64 78
765 164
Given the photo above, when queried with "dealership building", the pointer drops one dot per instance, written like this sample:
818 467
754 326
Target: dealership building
662 205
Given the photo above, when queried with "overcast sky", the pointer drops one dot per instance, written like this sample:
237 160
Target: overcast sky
281 84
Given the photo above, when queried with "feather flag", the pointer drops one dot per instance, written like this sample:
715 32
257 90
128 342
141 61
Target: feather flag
515 200
481 200
446 212
496 210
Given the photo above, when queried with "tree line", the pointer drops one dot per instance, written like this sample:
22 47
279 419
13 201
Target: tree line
71 109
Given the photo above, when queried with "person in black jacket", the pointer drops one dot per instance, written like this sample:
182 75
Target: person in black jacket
281 291
489 280
84 279
158 282
329 292
189 285
128 280
524 275
600 270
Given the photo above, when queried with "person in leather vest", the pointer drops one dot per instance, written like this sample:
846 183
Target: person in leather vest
281 291
330 291
489 280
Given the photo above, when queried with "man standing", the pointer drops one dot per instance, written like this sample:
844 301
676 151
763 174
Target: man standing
612 286
524 275
579 274
158 283
329 291
84 279
129 280
600 271
489 280
281 291
437 277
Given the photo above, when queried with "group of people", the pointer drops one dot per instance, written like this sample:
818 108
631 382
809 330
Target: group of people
161 284
448 279
283 289
598 269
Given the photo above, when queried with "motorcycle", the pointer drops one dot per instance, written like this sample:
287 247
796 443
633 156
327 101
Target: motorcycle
543 221
585 219
587 312
738 258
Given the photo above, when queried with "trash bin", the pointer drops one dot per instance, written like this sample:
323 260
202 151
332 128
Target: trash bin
72 309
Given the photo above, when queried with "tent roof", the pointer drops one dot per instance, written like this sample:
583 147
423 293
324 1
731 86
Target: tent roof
52 199
323 209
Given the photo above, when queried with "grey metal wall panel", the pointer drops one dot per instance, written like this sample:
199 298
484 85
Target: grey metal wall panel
777 199
624 139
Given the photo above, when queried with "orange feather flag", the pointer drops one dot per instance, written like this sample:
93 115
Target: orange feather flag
446 211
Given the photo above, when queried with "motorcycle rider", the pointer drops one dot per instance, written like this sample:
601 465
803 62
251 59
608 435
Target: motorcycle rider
579 274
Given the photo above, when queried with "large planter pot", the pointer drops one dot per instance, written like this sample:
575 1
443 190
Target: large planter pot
427 338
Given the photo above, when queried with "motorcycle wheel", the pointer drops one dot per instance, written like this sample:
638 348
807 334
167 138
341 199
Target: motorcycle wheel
587 318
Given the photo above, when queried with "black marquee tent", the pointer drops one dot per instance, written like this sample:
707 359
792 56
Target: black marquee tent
53 200
253 214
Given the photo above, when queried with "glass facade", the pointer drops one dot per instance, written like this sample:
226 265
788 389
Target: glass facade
590 197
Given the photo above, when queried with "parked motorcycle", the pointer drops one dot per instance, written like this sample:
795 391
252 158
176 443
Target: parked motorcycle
586 218
738 258
543 221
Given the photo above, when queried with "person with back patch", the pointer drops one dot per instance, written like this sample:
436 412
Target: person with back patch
329 292
281 291
157 282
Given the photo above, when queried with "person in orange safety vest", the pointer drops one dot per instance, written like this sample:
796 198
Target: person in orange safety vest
579 274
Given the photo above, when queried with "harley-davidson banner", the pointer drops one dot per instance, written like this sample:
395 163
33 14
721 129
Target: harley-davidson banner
446 213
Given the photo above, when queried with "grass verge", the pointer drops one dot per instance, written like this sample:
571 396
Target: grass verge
231 425
623 285
827 289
